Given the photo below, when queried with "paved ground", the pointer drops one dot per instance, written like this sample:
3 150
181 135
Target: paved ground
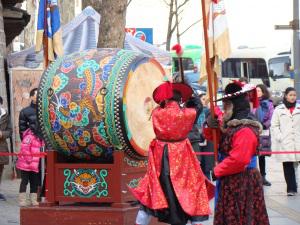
283 210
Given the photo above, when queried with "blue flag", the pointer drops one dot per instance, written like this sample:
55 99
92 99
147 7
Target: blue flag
50 9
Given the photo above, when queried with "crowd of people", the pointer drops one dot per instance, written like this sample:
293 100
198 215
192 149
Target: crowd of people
248 124
280 133
249 128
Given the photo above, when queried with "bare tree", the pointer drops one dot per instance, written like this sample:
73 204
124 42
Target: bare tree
96 4
67 10
171 26
29 30
176 7
128 2
112 25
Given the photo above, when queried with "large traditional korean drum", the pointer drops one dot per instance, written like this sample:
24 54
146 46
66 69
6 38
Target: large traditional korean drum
94 101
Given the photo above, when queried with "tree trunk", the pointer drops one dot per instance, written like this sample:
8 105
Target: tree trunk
112 25
96 4
3 89
30 29
170 21
67 10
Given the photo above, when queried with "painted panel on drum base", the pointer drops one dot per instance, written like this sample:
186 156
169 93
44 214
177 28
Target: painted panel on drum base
85 183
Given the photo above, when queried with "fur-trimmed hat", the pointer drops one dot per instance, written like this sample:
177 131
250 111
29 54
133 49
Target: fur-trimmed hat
237 89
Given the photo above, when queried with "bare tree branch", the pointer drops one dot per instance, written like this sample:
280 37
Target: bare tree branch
173 13
129 1
193 24
180 19
173 28
165 1
181 11
182 4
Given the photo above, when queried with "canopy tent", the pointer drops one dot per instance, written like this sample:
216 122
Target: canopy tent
80 34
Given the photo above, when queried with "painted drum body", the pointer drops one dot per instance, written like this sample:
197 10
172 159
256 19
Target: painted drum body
94 101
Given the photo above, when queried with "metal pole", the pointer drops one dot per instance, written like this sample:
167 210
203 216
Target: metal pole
43 163
296 46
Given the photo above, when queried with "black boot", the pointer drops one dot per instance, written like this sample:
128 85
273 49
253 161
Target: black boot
266 182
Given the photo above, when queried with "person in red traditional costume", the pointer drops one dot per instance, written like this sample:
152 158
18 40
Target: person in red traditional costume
174 188
239 195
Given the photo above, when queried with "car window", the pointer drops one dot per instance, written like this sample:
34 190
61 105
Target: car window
257 68
188 64
231 68
280 66
251 67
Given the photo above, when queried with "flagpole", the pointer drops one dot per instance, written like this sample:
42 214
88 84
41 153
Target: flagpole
210 78
46 63
45 36
181 69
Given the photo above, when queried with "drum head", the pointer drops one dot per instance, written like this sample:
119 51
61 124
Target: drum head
138 104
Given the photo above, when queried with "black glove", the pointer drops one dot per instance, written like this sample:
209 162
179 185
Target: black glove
213 176
212 122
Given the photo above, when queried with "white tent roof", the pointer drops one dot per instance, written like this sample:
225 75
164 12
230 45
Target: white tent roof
82 33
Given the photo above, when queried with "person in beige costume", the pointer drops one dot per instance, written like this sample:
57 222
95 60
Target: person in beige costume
285 136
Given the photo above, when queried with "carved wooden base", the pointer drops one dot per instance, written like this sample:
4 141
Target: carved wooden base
80 215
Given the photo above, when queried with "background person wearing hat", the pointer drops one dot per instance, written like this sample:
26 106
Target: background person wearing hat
174 188
239 197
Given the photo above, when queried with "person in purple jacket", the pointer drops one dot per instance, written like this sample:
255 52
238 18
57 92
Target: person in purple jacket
264 115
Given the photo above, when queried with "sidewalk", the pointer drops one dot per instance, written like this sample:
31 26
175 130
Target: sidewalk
283 210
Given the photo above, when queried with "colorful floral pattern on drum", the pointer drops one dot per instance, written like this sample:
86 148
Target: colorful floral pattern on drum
80 102
85 183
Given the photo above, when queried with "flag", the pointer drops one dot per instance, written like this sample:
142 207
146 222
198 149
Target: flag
219 42
49 8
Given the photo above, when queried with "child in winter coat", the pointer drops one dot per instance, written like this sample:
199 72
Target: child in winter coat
28 163
30 135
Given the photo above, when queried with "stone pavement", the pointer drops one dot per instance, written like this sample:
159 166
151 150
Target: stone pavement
283 210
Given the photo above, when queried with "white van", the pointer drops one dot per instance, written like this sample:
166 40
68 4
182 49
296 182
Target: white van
258 67
281 75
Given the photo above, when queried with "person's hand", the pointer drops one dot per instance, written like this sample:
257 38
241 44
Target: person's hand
213 176
212 122
1 135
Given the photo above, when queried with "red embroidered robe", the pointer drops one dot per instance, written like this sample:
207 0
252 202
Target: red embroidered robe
171 126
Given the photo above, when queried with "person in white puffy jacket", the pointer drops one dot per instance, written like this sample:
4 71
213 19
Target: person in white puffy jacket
285 136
